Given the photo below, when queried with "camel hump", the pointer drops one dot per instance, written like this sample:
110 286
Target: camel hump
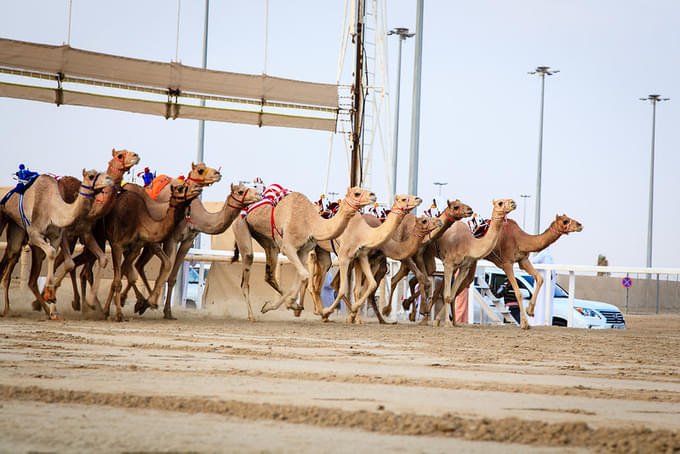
157 186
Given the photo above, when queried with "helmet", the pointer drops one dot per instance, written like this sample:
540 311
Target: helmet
146 169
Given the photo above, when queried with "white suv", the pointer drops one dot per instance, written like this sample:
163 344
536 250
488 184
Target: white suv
587 314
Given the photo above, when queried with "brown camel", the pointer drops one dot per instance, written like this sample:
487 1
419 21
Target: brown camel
460 250
121 162
44 214
356 243
129 226
420 229
198 220
514 246
422 264
198 177
293 227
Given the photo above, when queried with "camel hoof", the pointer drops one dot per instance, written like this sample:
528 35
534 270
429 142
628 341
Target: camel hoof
36 305
55 316
406 304
435 323
525 325
141 307
297 312
530 311
387 310
168 316
75 305
120 318
412 316
265 308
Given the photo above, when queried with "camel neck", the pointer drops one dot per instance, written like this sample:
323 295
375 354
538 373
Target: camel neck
202 220
383 232
328 229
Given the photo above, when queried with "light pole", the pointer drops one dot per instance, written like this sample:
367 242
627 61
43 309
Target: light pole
652 99
440 184
403 34
541 71
524 211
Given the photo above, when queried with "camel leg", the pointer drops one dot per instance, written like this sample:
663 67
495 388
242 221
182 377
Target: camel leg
143 304
184 247
370 283
526 265
36 239
296 257
144 258
96 250
379 274
65 256
342 287
167 254
37 257
448 278
16 238
116 285
247 259
402 273
507 268
321 265
271 267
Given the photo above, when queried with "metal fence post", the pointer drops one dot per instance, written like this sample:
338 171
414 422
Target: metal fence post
657 293
627 275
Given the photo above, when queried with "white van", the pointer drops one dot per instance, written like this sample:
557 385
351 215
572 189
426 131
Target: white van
587 314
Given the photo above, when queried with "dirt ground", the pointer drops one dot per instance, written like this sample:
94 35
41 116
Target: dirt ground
204 383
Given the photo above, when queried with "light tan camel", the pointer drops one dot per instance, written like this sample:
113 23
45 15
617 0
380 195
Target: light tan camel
129 226
419 262
459 250
420 228
514 246
82 229
198 220
356 243
293 227
44 215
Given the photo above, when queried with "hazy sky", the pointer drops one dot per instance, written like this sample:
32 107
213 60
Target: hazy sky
480 108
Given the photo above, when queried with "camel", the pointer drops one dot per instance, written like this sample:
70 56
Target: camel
514 246
293 227
422 264
121 162
199 221
420 228
129 226
459 250
199 176
356 243
44 214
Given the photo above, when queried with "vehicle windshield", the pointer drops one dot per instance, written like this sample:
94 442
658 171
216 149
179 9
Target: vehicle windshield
559 291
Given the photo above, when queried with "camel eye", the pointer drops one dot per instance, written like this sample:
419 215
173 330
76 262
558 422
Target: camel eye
240 192
200 171
564 222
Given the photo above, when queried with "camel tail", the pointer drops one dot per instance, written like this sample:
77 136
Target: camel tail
236 253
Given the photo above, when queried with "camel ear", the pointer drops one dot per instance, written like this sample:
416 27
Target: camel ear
113 152
193 166
84 172
349 188
232 187
557 216
448 202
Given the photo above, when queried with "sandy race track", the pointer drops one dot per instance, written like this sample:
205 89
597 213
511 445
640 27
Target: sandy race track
208 384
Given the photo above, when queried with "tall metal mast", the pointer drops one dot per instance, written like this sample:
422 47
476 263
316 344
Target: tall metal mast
358 91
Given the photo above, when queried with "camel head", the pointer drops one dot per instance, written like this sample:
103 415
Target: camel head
405 203
243 195
457 210
127 158
358 197
96 181
426 224
204 175
182 193
502 207
564 225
